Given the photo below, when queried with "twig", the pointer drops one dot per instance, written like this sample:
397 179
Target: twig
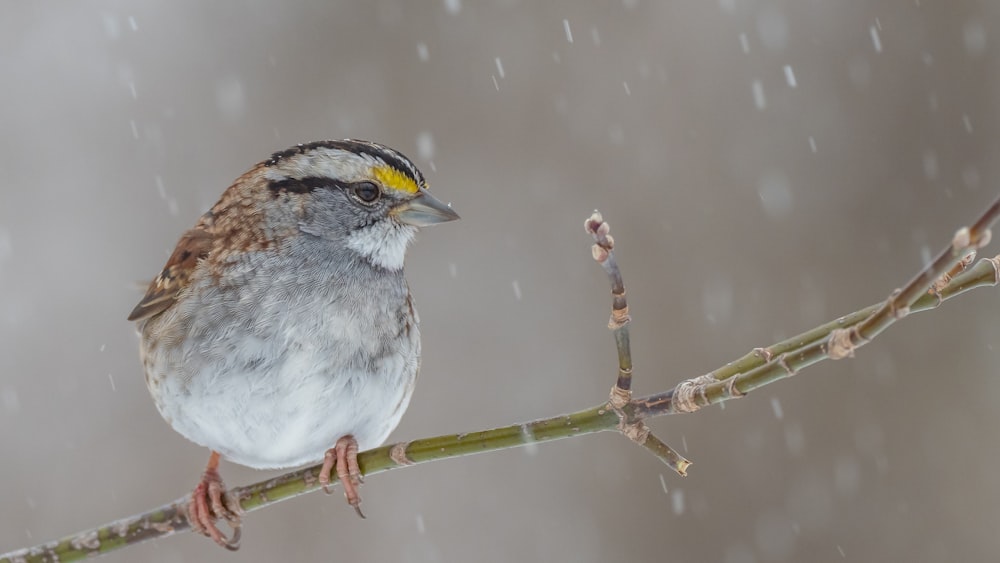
604 254
634 429
760 367
985 273
831 342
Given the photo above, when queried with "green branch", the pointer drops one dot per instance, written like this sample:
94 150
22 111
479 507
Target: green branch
940 281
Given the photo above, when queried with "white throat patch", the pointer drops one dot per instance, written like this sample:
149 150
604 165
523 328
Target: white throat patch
383 244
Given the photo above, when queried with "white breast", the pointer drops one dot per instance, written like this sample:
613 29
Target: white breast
275 385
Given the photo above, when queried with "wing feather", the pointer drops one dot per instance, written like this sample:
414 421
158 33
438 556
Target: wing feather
193 246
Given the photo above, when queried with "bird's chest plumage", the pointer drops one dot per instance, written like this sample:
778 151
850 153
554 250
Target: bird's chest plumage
276 383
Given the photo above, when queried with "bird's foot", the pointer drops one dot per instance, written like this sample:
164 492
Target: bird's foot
209 502
344 457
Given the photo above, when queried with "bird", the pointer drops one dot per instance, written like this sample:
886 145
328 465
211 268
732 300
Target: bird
281 330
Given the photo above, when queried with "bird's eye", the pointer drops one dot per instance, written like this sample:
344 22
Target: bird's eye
367 192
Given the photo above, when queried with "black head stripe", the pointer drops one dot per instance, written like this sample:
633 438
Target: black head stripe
391 157
301 185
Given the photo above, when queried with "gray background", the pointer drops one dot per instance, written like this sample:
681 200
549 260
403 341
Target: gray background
122 123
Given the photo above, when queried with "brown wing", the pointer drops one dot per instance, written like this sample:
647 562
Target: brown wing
162 293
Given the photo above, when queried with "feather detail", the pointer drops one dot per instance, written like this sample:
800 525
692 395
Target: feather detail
193 246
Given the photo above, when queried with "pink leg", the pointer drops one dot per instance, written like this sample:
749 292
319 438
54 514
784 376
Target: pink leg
208 504
343 456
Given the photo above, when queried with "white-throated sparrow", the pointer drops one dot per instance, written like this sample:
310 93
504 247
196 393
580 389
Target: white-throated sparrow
281 330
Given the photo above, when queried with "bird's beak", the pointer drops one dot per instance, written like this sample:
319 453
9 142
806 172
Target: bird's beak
423 210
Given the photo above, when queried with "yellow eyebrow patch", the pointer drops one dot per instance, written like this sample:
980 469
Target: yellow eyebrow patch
394 179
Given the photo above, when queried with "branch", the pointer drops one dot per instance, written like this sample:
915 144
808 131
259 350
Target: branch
838 339
633 428
944 278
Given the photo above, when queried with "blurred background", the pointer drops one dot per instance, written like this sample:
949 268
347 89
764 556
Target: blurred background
765 165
